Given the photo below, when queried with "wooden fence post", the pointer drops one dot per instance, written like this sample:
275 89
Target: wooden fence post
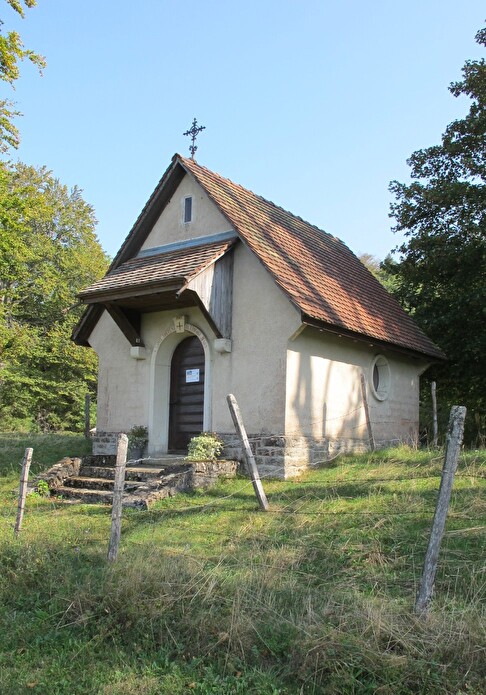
435 431
455 431
24 478
367 413
87 416
250 459
116 511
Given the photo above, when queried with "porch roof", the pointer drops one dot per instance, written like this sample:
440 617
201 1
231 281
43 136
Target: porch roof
145 274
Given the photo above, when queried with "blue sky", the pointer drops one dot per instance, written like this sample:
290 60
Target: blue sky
315 105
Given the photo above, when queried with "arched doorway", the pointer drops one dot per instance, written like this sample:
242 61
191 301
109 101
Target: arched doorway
186 404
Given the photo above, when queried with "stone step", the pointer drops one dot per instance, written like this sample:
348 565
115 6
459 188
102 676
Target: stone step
89 483
156 471
132 496
144 483
131 473
162 461
86 496
98 472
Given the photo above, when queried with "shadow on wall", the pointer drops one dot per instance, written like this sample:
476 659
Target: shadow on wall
326 404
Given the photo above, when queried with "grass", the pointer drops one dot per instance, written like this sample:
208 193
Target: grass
48 449
209 595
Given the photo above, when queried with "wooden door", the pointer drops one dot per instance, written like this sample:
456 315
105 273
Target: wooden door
186 393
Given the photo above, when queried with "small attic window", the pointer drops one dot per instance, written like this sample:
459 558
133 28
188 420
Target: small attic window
187 209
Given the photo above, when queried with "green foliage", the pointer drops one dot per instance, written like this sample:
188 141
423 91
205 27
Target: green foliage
208 595
379 270
42 488
138 436
207 446
13 51
440 278
48 252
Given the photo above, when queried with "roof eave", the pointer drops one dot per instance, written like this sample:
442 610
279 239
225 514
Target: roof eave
103 296
83 329
432 357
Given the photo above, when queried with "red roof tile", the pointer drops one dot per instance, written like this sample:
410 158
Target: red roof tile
152 271
317 271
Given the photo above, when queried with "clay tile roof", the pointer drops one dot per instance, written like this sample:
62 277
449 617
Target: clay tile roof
174 267
317 271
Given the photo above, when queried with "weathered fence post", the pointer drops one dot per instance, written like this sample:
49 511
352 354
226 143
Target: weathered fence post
87 416
24 478
250 459
435 432
455 431
116 512
367 413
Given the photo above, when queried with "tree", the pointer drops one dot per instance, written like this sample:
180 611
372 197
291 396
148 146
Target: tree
379 269
48 252
441 275
13 51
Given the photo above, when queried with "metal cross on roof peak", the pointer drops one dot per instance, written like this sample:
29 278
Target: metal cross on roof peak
194 131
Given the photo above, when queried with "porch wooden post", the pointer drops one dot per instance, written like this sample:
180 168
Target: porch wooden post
116 512
250 459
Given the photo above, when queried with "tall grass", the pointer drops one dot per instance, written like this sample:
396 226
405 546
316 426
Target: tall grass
48 449
209 595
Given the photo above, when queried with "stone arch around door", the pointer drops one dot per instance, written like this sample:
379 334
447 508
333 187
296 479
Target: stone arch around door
160 383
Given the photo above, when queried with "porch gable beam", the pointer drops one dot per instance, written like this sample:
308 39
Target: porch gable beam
128 322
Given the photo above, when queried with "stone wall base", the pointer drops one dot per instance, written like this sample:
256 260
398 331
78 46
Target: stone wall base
57 474
276 456
283 457
206 473
104 443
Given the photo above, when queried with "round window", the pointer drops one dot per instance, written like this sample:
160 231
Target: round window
380 377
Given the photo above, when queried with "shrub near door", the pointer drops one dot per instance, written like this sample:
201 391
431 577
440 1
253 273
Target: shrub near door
137 441
207 446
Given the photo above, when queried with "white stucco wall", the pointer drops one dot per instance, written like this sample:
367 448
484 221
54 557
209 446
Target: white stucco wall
136 391
324 397
263 321
307 387
206 218
122 381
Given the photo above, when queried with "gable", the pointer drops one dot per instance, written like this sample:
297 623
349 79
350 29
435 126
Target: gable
170 227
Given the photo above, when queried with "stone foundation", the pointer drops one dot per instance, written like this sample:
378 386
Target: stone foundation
276 456
285 457
206 473
104 443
